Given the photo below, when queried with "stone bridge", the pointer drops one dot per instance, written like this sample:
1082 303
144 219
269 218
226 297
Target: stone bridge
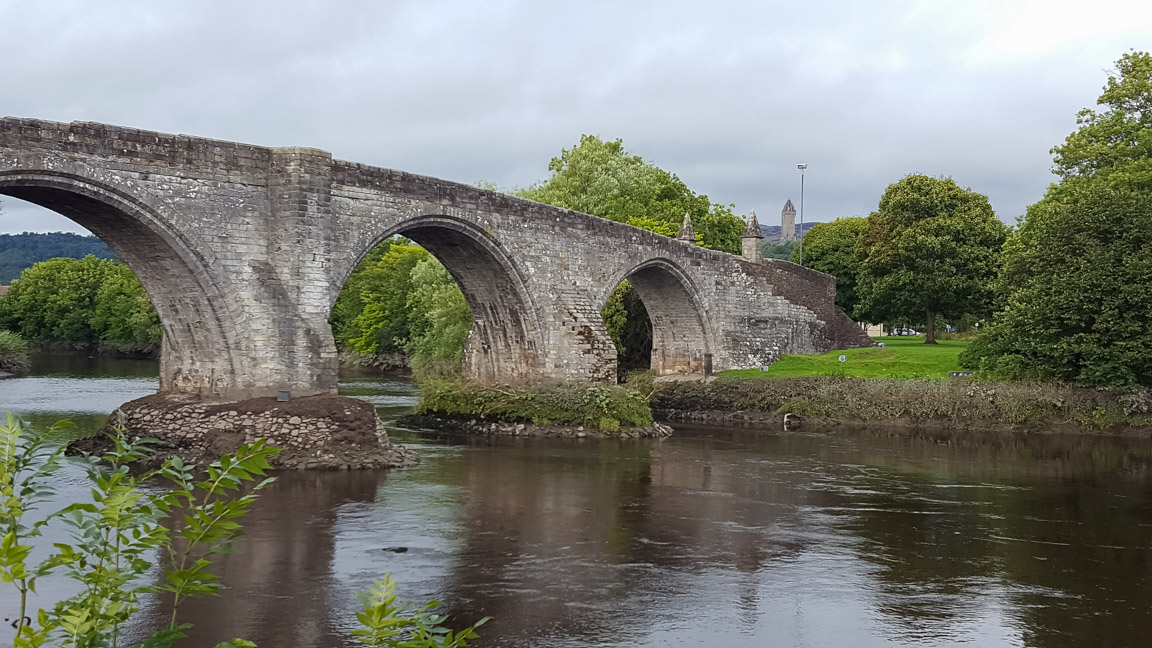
243 250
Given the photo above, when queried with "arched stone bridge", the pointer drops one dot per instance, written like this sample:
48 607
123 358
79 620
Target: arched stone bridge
243 250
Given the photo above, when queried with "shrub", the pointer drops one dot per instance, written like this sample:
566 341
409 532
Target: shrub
605 407
13 353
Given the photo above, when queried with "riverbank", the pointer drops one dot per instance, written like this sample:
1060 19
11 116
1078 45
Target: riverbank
317 432
389 362
548 410
898 404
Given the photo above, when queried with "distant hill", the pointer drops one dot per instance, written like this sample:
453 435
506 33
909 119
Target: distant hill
21 251
772 232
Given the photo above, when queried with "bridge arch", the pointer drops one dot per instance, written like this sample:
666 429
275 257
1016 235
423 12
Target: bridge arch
682 334
504 345
197 355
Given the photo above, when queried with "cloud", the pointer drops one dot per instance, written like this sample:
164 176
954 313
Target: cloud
729 95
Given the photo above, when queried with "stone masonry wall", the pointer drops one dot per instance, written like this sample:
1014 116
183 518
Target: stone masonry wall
243 250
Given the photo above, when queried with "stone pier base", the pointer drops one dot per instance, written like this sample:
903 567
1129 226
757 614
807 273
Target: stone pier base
315 432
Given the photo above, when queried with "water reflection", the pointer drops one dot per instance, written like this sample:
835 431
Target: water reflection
712 537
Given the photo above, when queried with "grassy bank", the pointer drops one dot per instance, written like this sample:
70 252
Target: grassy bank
1040 406
601 407
901 357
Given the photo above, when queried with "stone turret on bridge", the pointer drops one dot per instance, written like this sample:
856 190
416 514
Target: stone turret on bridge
243 250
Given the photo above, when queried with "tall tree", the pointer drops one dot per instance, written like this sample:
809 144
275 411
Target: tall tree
1078 272
932 248
1115 142
837 248
603 179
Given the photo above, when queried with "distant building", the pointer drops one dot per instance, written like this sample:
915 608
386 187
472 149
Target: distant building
3 290
788 222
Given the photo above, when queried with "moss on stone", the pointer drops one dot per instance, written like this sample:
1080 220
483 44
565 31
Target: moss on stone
603 407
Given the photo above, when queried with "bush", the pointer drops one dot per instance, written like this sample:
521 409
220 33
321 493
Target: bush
13 353
599 406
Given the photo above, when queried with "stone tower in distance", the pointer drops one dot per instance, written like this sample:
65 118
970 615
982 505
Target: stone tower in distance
788 222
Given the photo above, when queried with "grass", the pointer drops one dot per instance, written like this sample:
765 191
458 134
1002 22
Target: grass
603 407
955 402
901 357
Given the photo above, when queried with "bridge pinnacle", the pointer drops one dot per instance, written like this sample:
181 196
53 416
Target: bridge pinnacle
687 234
750 239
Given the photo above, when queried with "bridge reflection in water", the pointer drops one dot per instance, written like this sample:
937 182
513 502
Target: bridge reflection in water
715 537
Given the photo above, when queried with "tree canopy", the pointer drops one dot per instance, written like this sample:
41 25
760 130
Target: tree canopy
932 248
87 302
837 248
1115 142
1077 274
603 179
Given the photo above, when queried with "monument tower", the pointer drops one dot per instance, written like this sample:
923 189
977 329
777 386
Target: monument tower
788 222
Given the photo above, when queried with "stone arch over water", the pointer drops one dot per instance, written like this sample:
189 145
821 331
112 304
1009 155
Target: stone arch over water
196 354
503 344
681 332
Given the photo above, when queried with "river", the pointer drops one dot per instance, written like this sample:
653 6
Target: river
714 537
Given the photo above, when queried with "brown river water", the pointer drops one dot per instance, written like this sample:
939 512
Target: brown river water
714 537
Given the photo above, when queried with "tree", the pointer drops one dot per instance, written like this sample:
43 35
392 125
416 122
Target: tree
1116 142
837 248
785 250
87 302
932 248
438 320
383 324
603 179
1078 273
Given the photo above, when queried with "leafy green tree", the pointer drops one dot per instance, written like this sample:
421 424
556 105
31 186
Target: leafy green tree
383 324
628 324
1115 142
1078 273
837 248
438 319
779 250
53 301
124 315
350 302
932 248
603 179
87 302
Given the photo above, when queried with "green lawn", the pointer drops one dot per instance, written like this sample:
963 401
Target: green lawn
901 357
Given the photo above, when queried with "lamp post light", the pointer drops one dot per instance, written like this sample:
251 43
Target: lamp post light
802 166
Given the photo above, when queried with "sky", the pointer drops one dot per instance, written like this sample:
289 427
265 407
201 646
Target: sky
730 96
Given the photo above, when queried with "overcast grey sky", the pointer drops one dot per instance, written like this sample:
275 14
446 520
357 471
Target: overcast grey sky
729 95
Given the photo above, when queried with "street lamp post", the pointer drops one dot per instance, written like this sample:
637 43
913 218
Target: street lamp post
802 166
